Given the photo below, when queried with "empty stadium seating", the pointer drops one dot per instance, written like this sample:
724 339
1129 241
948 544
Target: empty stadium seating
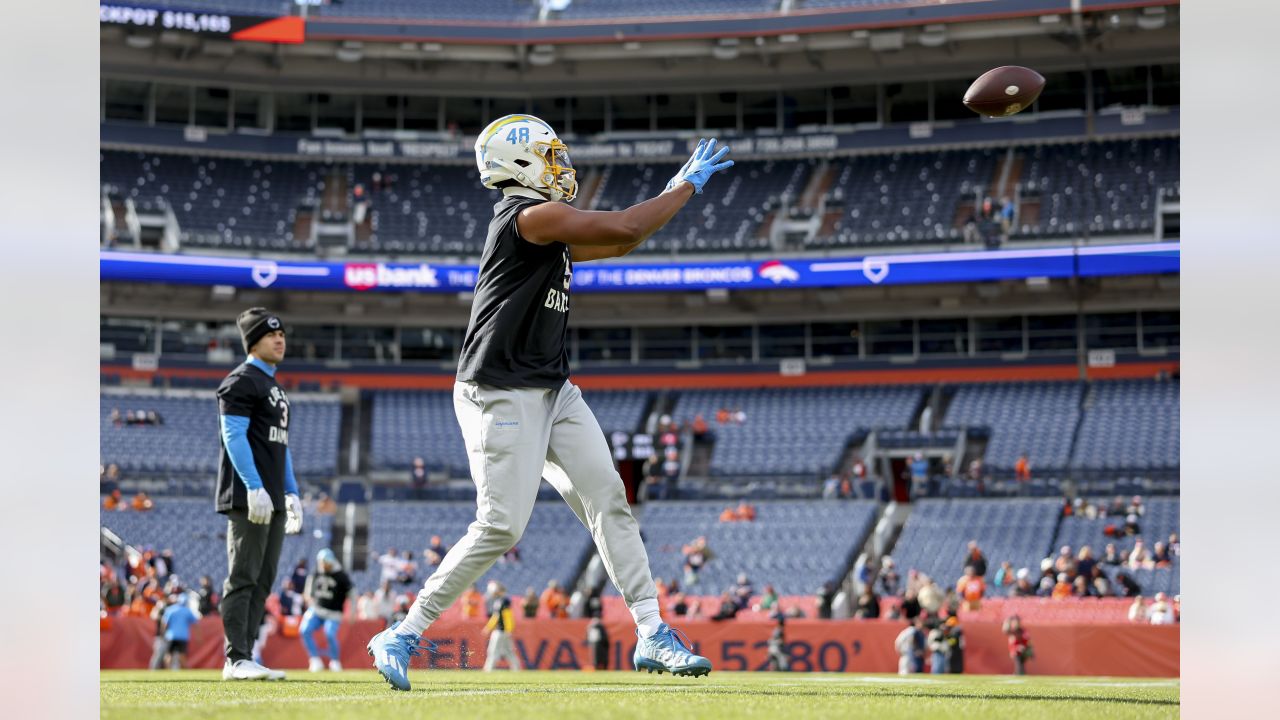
724 218
906 197
1036 418
1097 188
1129 424
188 440
796 430
198 537
936 534
793 545
409 424
554 546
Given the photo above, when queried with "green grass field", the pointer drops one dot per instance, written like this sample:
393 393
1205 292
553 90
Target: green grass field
442 695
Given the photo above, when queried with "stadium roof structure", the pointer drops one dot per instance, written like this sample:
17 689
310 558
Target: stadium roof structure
886 42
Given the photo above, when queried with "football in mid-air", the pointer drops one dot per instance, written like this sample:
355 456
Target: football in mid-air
1004 91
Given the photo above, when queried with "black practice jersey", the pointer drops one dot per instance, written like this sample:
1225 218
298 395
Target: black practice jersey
518 333
250 392
329 590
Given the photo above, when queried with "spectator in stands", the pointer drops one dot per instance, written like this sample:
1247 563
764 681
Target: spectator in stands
326 505
511 557
206 597
1064 562
1136 507
154 418
1131 526
1175 547
888 578
114 501
746 512
290 600
976 559
937 642
1161 611
529 604
1160 554
418 478
1140 556
1128 587
1004 577
1006 217
117 420
931 596
696 555
1085 562
1048 578
382 604
472 601
298 578
1118 507
971 588
831 487
1080 586
728 608
1020 650
679 604
1022 469
671 468
389 561
868 607
1111 556
1022 586
742 591
141 502
919 468
701 430
1138 610
722 416
436 551
113 593
910 645
555 600
768 600
408 569
655 485
826 594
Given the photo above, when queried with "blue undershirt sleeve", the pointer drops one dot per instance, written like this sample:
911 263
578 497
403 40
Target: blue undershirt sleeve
290 482
235 435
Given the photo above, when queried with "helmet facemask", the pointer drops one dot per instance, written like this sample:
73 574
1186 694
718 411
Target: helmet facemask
557 173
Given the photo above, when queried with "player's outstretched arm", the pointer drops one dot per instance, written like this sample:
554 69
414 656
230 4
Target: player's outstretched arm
594 235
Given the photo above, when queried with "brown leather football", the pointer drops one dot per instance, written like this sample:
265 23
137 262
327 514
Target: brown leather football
1004 91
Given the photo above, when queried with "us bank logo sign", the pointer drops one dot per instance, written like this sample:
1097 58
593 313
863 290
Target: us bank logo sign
380 276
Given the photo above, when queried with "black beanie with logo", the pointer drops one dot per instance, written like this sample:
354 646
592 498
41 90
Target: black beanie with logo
255 323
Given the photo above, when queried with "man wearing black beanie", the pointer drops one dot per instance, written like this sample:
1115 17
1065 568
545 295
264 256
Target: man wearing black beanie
257 490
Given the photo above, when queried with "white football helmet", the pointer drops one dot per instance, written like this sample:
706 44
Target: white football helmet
525 149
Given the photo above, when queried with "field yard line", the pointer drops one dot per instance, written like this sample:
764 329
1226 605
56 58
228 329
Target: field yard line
388 694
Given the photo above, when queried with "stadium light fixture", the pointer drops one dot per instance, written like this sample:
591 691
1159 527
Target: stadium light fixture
1152 18
351 51
933 36
541 55
725 49
139 41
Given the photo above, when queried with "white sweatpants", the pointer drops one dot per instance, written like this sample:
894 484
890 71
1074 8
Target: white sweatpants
516 437
501 648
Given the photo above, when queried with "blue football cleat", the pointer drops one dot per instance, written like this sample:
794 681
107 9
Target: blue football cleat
391 652
668 651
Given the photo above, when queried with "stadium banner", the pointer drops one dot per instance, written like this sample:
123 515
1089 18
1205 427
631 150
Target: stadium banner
143 19
812 645
652 148
903 269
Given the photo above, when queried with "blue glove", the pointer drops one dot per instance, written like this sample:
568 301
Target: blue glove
701 166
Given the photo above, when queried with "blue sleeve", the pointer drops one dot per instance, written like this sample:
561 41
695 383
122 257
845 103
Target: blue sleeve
290 482
235 435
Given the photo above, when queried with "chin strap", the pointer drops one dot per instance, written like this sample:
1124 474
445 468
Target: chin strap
523 192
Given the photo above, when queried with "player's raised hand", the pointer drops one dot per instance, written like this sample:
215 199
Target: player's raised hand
705 162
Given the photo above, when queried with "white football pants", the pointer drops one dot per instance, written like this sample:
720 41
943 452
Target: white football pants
516 437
